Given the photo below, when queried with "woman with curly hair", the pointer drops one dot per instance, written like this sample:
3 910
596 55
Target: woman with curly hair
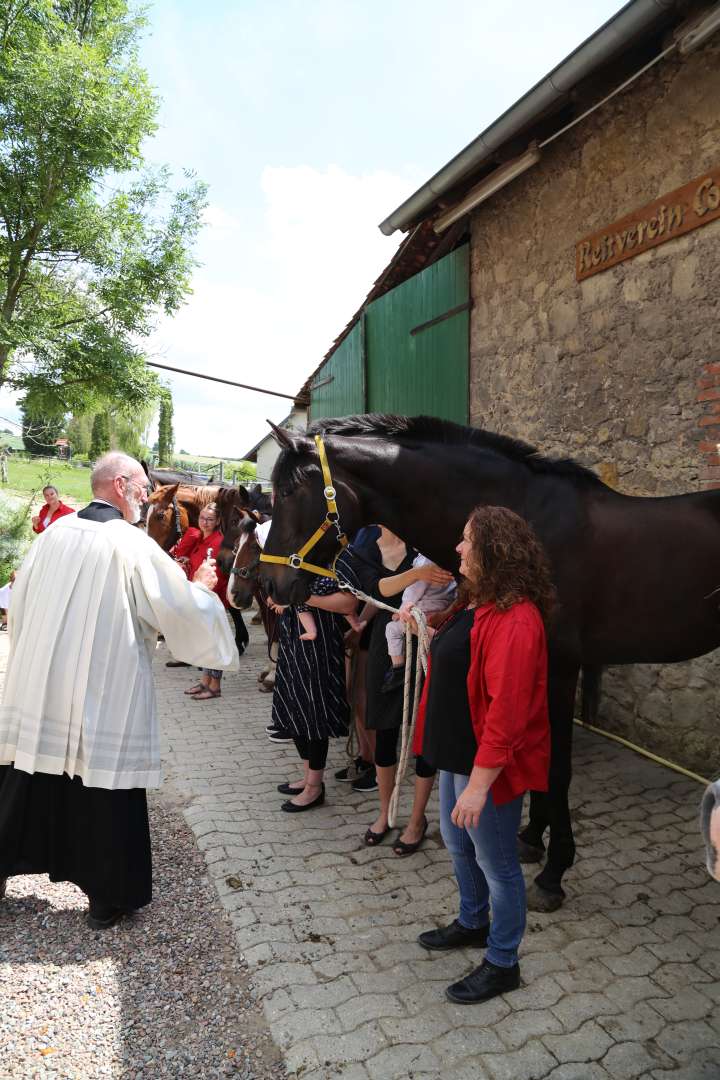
483 723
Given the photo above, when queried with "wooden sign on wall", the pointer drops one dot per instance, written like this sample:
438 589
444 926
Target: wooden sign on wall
678 212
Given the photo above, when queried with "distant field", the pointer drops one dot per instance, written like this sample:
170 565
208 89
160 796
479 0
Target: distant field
245 467
24 477
13 441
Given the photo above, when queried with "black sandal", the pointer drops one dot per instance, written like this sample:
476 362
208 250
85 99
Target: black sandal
372 839
401 848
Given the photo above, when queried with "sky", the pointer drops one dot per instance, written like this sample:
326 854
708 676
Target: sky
311 120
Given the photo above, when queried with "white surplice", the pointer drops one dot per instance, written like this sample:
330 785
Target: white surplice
88 603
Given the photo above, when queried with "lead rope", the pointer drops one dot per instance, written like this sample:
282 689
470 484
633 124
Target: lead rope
409 715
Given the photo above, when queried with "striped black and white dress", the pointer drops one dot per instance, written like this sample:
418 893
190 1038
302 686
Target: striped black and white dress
310 698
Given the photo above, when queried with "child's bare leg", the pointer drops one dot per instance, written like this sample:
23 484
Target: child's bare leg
356 624
307 622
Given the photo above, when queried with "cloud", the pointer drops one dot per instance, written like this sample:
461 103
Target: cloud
271 296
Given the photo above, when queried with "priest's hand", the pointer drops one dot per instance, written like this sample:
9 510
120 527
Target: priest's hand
206 574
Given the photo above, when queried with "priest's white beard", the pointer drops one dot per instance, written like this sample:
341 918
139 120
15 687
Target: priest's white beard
134 511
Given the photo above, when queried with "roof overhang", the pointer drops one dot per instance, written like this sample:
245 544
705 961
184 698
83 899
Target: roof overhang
632 21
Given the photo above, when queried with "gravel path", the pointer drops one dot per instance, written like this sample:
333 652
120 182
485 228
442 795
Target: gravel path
162 995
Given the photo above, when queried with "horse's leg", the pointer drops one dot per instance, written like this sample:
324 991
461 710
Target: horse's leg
531 847
547 894
591 685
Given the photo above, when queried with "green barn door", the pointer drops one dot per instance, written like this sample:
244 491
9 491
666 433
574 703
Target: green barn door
418 343
338 388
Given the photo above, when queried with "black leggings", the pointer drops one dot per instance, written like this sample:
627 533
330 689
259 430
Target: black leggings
314 751
386 743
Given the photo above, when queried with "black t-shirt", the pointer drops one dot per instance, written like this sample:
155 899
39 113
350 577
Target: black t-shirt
449 739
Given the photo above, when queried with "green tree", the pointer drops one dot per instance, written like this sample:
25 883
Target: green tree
166 437
39 431
92 245
79 432
100 438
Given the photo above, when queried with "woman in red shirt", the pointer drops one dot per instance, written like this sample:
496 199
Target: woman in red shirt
191 550
51 511
483 723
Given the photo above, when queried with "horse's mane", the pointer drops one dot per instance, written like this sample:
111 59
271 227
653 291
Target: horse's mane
407 429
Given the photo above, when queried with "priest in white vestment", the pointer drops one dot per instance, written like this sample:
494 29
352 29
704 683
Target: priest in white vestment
79 740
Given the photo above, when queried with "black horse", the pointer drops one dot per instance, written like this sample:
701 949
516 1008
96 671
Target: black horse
635 576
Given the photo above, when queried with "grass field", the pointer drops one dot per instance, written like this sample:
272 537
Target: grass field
24 477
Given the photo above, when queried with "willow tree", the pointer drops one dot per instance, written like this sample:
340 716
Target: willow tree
92 244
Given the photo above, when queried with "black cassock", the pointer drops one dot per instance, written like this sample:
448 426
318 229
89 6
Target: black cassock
95 838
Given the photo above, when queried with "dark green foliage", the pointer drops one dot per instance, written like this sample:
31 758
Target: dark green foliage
92 245
100 437
166 437
39 431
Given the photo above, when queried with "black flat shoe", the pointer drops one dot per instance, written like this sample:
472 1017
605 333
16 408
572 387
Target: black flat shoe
401 848
176 663
454 936
372 839
288 789
293 808
484 983
102 918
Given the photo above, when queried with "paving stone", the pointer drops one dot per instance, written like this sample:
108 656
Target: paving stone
690 1004
629 1060
359 1010
588 1043
357 1045
532 1062
683 1040
705 1065
519 1027
328 926
575 1009
588 1070
403 1061
636 1024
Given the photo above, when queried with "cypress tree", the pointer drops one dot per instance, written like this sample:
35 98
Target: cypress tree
100 437
166 437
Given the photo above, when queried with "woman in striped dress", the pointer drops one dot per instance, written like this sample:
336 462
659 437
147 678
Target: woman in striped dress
310 697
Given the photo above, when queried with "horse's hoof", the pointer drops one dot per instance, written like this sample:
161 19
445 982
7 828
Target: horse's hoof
528 853
541 900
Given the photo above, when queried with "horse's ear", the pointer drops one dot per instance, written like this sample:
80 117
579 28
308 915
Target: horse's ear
243 493
166 495
286 439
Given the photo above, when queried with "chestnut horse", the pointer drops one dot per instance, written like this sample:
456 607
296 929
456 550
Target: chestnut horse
635 576
172 508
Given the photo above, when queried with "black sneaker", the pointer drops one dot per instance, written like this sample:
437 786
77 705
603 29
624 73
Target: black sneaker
394 679
454 936
277 735
366 782
353 771
484 983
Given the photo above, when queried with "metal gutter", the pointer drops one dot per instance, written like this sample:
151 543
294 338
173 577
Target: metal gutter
629 22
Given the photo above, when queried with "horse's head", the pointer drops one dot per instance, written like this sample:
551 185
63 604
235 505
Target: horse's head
242 567
166 518
300 508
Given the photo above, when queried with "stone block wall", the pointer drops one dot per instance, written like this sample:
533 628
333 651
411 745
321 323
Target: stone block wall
620 371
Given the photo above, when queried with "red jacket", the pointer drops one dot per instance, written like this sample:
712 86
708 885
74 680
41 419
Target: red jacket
192 546
507 693
61 511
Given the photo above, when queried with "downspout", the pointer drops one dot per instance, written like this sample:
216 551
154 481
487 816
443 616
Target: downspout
604 43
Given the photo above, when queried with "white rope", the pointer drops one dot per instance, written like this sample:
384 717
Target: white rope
409 716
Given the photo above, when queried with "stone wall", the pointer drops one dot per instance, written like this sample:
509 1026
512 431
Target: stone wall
614 370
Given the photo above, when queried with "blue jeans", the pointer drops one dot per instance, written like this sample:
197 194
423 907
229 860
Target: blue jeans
487 869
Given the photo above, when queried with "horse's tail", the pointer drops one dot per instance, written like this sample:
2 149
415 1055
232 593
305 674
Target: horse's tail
590 693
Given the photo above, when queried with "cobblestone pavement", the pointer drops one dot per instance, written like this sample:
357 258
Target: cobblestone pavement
621 983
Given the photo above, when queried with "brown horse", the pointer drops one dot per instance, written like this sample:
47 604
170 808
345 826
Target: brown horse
174 507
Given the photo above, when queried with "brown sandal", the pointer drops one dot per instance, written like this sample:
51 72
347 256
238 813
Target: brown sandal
208 693
196 689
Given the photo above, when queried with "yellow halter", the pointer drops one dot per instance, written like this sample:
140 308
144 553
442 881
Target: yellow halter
332 519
